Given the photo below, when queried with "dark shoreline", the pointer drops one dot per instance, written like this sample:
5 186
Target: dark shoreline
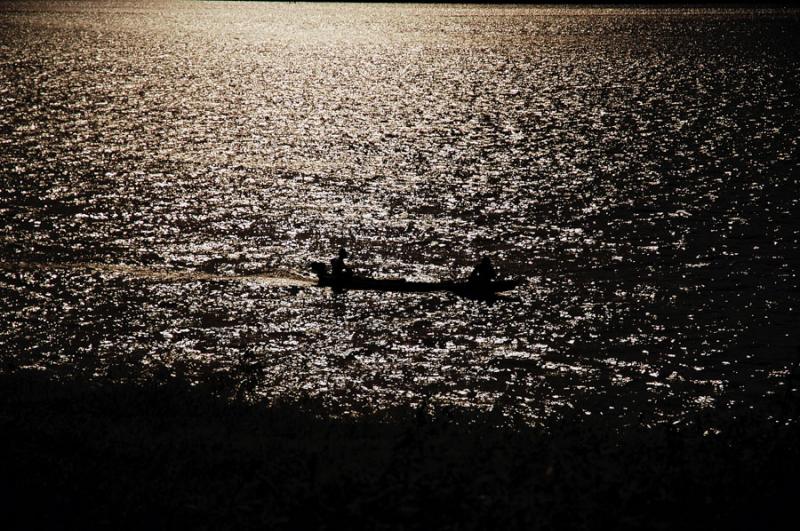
663 4
169 455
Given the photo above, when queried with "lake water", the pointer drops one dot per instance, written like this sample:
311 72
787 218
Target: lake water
168 171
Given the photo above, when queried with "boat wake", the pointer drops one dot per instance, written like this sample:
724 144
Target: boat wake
278 278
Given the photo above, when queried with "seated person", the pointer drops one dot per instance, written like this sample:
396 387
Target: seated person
483 272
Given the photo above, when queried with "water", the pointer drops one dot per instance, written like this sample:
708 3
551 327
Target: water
169 171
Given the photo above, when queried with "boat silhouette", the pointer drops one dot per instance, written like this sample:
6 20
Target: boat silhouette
466 287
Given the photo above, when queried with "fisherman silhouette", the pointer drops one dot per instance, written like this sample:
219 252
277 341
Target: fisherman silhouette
483 273
338 268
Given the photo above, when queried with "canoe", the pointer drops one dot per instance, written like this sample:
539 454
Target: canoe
461 287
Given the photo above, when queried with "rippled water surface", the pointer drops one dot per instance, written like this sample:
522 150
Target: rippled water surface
167 172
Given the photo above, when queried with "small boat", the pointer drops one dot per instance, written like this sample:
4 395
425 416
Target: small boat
461 287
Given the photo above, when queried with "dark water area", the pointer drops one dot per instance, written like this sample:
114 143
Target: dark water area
170 455
168 171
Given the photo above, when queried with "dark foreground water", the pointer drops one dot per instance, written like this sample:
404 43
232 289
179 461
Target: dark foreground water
167 171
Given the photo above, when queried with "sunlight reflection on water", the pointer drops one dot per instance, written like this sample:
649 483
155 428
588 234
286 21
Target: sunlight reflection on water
169 171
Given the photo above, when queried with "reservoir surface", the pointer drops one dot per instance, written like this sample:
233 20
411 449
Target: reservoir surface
169 170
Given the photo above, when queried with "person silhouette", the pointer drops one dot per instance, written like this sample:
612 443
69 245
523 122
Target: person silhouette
338 268
484 272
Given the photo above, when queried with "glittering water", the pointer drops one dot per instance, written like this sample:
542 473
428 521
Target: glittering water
167 171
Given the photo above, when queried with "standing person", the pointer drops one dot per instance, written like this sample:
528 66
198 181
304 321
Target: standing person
484 272
338 268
